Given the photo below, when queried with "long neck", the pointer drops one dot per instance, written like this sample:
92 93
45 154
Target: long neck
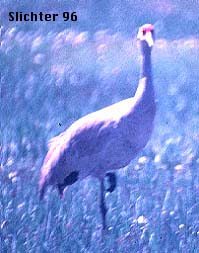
146 66
145 90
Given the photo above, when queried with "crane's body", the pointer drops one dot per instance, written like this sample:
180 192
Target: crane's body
105 140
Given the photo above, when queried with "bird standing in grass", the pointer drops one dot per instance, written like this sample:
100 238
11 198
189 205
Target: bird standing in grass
106 140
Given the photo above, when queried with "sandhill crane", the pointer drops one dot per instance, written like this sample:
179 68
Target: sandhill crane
105 140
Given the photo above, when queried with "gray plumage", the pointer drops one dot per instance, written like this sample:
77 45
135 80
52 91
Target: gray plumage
105 140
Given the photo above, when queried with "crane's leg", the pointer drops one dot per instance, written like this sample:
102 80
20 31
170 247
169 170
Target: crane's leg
112 180
102 204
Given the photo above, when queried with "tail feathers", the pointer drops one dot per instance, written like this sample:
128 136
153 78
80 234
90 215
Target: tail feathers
43 184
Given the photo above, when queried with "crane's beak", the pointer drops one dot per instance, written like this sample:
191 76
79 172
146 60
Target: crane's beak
149 39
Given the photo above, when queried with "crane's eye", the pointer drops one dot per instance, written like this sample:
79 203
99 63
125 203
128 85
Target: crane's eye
144 32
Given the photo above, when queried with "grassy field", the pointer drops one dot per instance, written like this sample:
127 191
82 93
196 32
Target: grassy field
50 80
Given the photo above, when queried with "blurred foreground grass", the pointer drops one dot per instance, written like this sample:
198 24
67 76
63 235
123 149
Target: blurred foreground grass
50 81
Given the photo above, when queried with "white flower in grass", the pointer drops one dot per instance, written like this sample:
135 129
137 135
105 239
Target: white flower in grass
142 220
143 160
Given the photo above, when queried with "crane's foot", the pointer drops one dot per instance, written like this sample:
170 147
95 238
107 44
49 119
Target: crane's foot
112 181
102 204
70 179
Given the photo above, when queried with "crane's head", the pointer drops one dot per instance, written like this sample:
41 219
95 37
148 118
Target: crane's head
146 37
